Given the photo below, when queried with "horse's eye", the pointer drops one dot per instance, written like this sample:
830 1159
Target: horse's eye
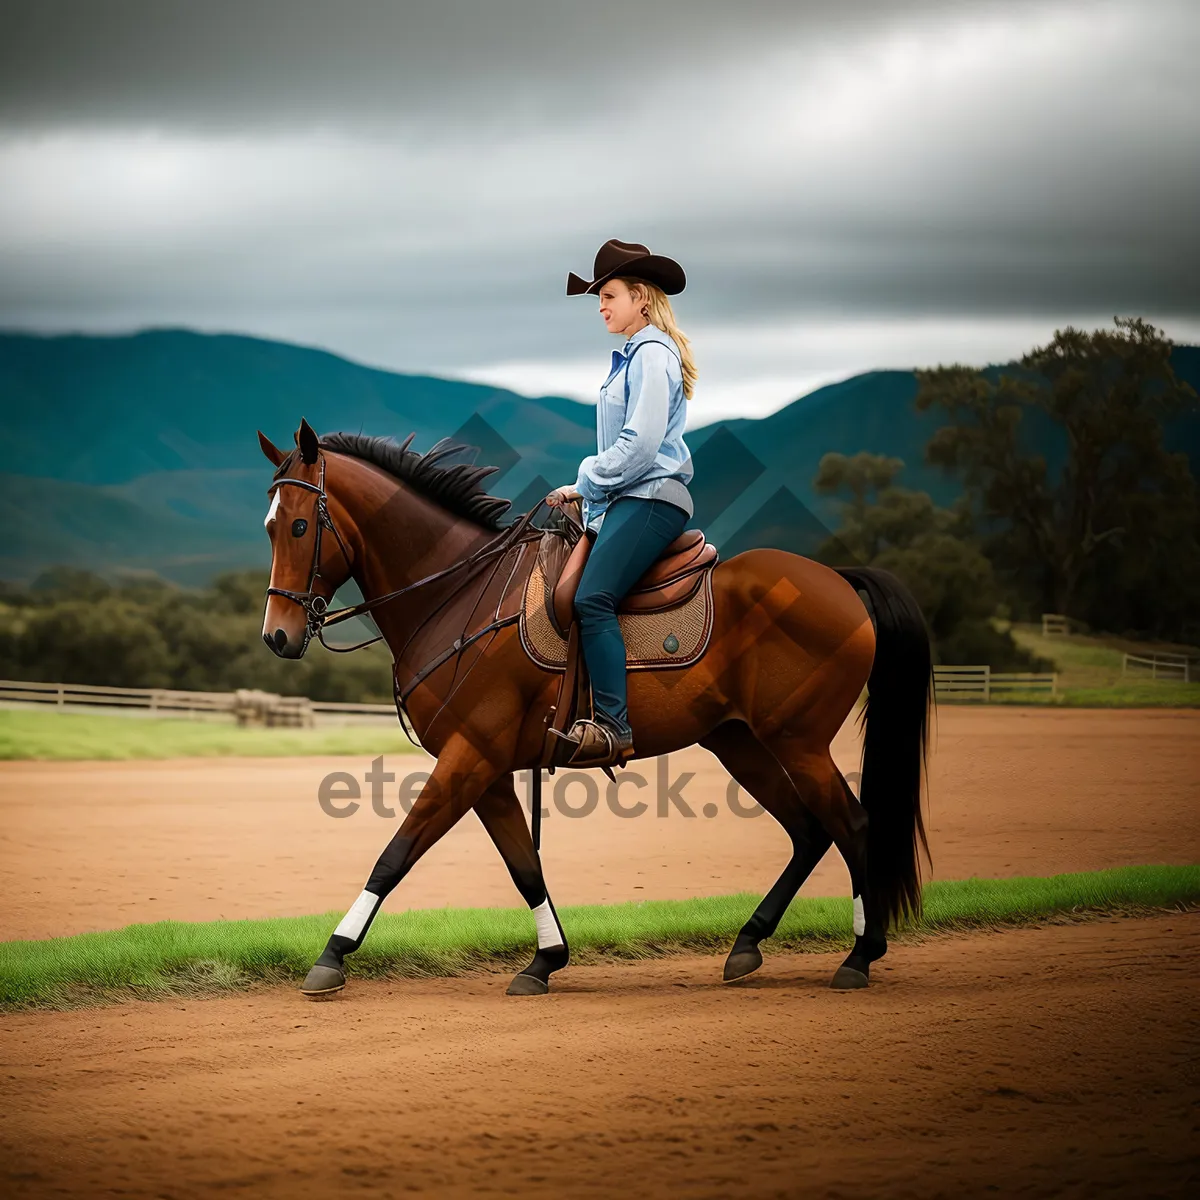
299 527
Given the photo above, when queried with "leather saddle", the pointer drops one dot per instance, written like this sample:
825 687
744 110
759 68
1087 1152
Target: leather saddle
672 579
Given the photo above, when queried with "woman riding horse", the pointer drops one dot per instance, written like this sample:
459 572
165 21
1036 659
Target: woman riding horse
634 488
791 647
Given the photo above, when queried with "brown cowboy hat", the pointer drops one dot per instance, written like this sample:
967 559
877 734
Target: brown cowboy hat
633 260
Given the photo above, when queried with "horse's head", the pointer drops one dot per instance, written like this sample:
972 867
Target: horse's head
306 567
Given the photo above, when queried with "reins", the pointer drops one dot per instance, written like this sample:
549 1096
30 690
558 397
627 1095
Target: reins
507 539
316 607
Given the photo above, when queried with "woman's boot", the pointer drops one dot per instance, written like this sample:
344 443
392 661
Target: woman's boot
599 744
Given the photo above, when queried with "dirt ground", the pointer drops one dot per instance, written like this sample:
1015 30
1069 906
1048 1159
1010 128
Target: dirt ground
1060 1060
87 846
1057 1061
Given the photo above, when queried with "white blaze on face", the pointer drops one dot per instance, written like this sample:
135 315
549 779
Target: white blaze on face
272 510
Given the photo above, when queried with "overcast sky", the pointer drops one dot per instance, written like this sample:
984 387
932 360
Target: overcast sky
848 185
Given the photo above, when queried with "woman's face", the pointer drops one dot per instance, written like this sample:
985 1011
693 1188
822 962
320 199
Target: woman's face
620 307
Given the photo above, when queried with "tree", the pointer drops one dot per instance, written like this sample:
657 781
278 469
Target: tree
1100 399
242 591
862 475
69 583
146 633
930 548
106 641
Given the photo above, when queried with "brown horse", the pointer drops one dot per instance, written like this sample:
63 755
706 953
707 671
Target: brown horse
792 648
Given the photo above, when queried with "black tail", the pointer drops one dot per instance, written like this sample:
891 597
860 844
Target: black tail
896 720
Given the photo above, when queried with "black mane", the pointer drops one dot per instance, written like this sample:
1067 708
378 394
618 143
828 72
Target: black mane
455 486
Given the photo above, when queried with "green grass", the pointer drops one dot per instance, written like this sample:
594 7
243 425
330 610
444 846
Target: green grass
30 734
1136 694
1090 676
171 958
1161 694
1085 662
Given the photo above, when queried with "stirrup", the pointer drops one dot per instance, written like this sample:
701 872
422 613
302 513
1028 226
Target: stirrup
597 745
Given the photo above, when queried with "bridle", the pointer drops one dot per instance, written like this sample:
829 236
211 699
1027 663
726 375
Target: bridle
316 607
314 604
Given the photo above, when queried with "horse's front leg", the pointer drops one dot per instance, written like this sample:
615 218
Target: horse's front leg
456 783
504 819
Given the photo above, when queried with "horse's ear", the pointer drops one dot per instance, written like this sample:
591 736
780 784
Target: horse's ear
306 439
269 448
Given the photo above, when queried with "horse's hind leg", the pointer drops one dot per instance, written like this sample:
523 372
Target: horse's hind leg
756 770
825 792
502 816
870 934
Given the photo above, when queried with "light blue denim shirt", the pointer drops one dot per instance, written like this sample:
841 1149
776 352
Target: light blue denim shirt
641 451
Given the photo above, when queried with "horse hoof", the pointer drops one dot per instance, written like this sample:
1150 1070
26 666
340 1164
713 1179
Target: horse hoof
322 983
527 985
846 978
741 964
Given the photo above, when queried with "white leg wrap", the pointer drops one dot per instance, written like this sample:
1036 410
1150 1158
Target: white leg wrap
361 911
549 934
860 918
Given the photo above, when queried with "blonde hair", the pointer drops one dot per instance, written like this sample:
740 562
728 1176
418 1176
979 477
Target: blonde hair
657 307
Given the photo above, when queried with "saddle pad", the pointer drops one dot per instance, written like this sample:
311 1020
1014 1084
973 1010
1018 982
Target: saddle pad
677 637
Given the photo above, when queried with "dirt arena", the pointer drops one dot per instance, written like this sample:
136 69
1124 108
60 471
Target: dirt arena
88 846
1053 1060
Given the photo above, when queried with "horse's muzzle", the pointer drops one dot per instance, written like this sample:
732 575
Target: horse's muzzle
282 646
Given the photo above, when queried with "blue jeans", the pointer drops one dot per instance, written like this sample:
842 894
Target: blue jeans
634 532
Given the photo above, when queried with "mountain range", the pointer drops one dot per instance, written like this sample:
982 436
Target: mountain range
138 452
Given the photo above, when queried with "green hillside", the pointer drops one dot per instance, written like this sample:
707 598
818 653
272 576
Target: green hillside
874 412
139 451
108 410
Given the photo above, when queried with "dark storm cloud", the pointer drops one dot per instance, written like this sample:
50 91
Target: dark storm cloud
410 184
242 64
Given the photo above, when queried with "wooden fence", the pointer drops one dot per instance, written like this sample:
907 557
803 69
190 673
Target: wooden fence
247 706
161 701
1055 625
254 707
981 683
1178 667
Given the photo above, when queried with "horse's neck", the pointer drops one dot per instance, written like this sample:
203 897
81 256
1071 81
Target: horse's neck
417 538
